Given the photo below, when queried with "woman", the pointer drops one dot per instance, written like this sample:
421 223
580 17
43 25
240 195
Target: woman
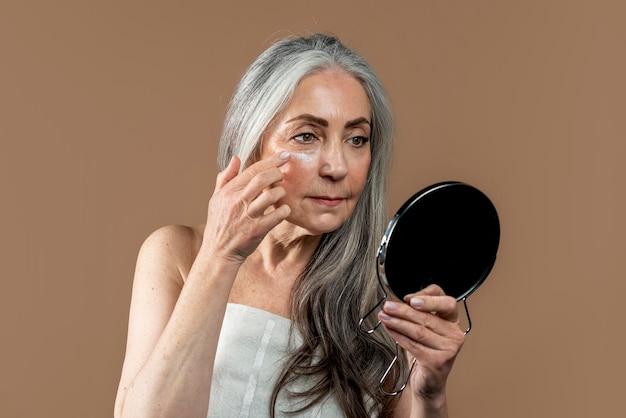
284 267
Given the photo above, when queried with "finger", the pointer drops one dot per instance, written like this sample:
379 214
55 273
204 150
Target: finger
420 340
431 290
433 299
404 318
229 173
267 198
260 183
443 306
274 217
275 160
259 176
417 338
265 223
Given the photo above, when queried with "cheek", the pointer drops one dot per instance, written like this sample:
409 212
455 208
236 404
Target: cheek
360 170
296 174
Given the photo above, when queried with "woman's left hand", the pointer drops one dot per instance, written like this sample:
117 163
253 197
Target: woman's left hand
427 327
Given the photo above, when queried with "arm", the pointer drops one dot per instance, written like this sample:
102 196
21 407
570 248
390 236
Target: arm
170 336
175 322
428 329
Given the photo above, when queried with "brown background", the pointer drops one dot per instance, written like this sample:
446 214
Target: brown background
109 114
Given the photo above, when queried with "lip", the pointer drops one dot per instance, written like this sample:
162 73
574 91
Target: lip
328 200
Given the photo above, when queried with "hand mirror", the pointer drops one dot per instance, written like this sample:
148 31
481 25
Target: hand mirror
446 234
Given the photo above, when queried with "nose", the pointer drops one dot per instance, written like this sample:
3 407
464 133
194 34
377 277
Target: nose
333 162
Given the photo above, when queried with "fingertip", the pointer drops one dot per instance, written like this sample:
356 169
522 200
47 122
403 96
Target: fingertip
416 302
287 210
234 160
383 316
229 172
432 290
233 165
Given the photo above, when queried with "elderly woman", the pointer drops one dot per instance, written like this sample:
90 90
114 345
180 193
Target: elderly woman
255 313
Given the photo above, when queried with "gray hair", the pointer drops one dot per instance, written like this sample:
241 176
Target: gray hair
268 84
339 283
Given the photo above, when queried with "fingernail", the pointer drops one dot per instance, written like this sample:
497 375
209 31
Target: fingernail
417 302
391 306
285 155
383 316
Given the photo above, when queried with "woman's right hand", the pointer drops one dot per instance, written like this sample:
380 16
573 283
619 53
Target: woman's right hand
241 212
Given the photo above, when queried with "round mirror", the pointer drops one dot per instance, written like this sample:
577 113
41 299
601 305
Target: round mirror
447 234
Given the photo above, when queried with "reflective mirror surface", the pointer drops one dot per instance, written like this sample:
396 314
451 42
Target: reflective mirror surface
447 234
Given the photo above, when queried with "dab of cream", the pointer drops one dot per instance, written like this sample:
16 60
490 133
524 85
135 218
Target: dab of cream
302 157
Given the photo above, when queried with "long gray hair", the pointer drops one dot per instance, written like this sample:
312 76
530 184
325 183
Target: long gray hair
339 284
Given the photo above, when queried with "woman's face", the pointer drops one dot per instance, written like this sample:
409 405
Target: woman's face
326 127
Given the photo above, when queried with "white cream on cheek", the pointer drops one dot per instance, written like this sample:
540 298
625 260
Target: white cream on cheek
305 158
308 156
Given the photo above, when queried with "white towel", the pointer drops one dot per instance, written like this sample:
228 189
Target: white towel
252 348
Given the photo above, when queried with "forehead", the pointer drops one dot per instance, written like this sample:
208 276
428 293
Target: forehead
333 96
329 93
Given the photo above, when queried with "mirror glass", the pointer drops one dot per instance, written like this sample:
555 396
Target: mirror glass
447 234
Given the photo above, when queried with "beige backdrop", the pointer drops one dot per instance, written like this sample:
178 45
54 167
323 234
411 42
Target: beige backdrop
109 115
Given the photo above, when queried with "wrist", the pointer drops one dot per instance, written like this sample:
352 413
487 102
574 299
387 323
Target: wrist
209 266
431 404
211 255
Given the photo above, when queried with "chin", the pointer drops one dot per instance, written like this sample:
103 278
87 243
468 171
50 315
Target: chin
318 227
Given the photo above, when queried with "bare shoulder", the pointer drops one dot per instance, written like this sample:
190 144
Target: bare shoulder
163 264
172 247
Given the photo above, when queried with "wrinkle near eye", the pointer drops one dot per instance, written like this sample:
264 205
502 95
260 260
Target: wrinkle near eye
358 141
305 138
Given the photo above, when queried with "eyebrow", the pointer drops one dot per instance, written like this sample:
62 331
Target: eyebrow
323 122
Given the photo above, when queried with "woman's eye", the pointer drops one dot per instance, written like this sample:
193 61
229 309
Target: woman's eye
305 138
358 141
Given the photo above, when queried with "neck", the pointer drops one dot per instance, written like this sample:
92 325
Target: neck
267 277
288 248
